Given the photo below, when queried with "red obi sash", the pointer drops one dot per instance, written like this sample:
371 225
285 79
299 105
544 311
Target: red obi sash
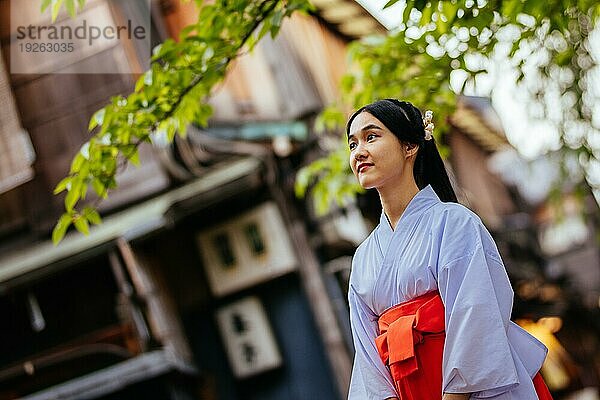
412 339
411 344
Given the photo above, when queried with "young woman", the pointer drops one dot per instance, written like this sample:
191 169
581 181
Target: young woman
430 300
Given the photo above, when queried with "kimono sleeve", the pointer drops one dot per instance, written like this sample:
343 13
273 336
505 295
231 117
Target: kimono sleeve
478 297
370 377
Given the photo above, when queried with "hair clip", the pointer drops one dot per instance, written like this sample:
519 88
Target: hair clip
428 124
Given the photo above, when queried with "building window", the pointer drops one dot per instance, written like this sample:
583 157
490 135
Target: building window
224 250
254 238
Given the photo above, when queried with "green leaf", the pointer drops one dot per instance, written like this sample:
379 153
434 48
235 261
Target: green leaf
92 215
172 94
45 4
62 185
139 84
134 157
70 4
277 17
302 180
390 3
82 225
427 13
56 8
563 58
85 150
407 10
77 163
511 8
84 188
186 31
61 228
74 194
71 200
265 27
99 188
97 119
274 30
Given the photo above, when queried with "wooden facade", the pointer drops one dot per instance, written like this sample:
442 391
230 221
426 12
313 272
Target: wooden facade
279 80
54 110
16 152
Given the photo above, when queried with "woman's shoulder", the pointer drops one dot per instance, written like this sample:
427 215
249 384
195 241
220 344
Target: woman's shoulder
460 229
455 215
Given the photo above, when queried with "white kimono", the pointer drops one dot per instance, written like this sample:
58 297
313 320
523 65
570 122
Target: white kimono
442 246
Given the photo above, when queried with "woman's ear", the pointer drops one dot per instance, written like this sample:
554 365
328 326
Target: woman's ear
411 149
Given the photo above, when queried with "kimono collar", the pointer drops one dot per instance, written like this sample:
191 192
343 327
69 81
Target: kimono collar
424 199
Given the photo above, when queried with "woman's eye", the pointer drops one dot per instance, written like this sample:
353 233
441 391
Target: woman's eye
352 145
370 135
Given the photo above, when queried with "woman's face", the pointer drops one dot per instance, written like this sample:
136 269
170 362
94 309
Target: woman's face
377 156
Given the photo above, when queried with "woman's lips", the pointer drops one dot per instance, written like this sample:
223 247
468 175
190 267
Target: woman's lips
363 167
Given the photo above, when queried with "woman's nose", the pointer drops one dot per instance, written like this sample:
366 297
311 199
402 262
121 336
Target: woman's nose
360 152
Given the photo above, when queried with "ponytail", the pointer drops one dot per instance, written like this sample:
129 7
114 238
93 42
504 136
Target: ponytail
429 169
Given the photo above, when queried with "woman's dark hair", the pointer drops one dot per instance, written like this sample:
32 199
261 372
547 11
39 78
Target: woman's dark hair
406 122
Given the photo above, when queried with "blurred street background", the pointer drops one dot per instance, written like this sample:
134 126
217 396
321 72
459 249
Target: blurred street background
210 257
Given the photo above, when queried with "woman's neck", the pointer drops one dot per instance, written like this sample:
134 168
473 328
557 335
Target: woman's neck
395 198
